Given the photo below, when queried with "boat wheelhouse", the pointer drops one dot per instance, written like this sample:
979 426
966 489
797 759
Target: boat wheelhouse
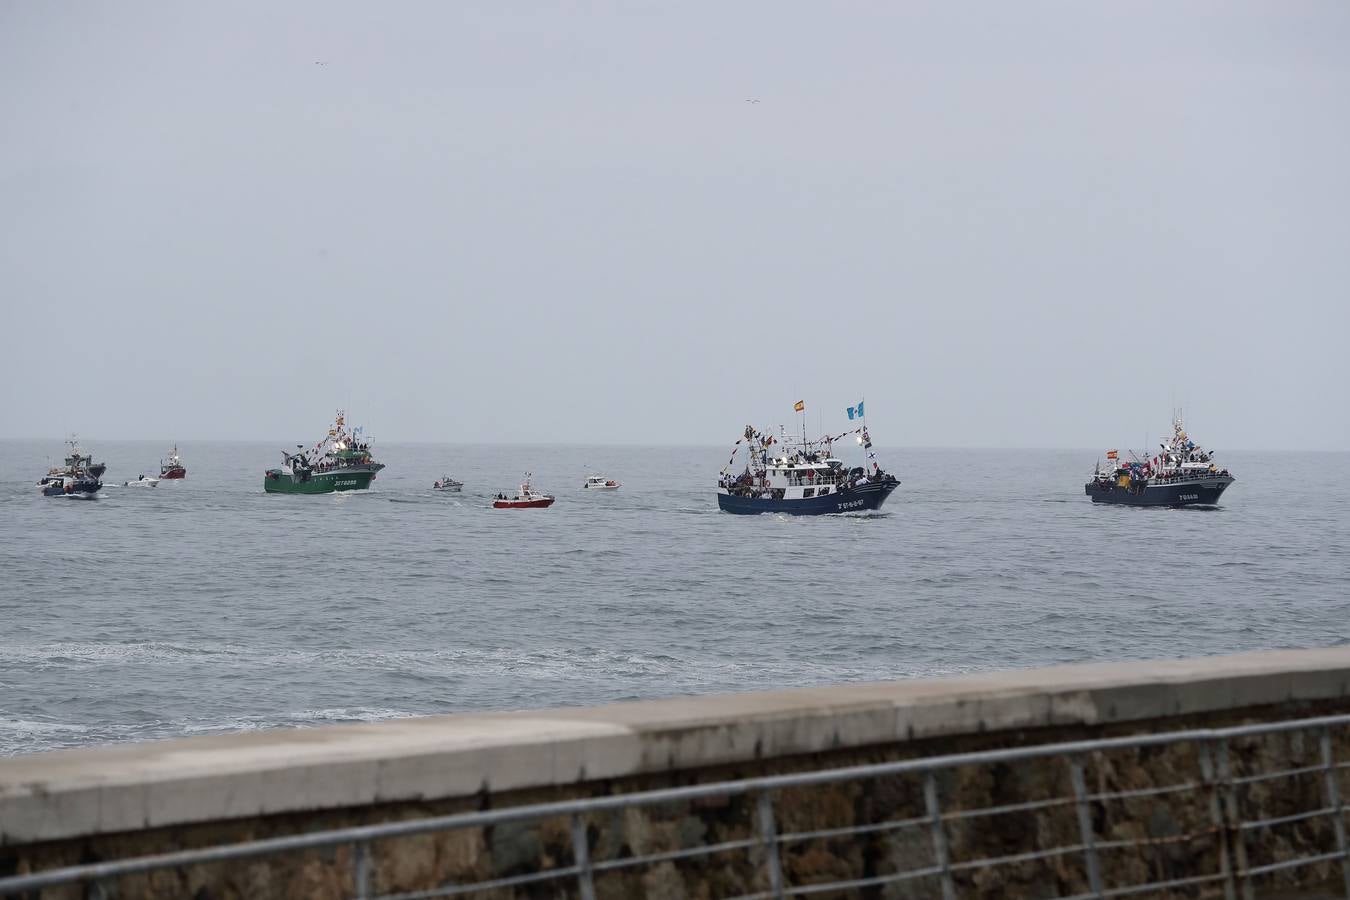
78 459
1182 474
339 462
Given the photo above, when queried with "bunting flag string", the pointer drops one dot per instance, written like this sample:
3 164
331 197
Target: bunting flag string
842 434
761 442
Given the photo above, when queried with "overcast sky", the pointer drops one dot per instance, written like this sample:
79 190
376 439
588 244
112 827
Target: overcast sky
1004 224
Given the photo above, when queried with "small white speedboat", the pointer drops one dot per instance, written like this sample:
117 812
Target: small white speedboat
600 483
446 483
142 482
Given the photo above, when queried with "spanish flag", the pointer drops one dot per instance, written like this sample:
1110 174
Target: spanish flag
799 406
1111 454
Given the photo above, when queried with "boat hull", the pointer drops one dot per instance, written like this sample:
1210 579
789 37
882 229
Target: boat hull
543 503
863 498
84 488
173 474
355 479
1199 492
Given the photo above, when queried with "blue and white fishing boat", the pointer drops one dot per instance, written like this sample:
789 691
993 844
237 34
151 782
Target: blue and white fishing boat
781 475
79 477
1182 474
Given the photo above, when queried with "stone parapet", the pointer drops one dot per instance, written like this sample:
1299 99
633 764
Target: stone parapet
111 802
100 790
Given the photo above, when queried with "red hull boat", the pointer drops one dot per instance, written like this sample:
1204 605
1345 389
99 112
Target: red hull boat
519 503
527 498
172 467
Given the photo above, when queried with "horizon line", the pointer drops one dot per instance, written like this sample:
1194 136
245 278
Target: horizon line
630 444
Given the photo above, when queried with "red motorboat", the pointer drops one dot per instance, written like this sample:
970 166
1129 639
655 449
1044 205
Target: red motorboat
173 466
526 498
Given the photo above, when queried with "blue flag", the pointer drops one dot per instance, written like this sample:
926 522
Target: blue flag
856 411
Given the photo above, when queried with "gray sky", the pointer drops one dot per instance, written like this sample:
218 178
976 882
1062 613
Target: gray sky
1028 224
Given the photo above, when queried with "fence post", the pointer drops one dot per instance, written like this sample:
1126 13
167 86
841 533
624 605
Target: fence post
930 800
1080 795
1216 819
581 853
1334 801
1233 821
361 870
768 835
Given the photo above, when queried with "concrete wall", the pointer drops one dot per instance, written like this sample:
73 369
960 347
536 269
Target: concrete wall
104 803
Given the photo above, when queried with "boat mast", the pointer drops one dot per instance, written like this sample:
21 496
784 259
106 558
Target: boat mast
804 431
866 437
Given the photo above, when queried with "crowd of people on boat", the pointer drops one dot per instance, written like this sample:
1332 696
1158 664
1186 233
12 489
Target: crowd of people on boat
1168 476
1192 455
330 464
1159 471
755 484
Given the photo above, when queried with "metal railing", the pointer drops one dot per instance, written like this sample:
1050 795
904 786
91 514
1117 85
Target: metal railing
1218 795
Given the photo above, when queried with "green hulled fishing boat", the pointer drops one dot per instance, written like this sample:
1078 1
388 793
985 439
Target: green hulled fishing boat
339 462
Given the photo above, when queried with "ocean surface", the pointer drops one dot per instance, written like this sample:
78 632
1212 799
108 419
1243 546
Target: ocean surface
208 606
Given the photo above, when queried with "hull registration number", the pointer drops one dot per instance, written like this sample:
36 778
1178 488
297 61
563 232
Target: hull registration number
1190 497
851 504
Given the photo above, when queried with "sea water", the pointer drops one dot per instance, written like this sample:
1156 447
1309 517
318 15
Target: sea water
208 606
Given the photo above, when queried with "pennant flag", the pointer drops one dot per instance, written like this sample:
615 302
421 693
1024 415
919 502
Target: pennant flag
856 411
799 406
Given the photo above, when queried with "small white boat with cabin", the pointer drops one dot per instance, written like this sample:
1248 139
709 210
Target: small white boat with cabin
600 483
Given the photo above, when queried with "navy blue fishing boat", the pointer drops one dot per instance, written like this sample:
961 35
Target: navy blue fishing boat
806 479
1183 474
79 477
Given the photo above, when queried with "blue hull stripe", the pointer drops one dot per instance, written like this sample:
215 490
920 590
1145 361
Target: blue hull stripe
860 499
1204 493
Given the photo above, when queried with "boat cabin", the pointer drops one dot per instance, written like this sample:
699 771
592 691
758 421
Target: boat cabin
798 478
